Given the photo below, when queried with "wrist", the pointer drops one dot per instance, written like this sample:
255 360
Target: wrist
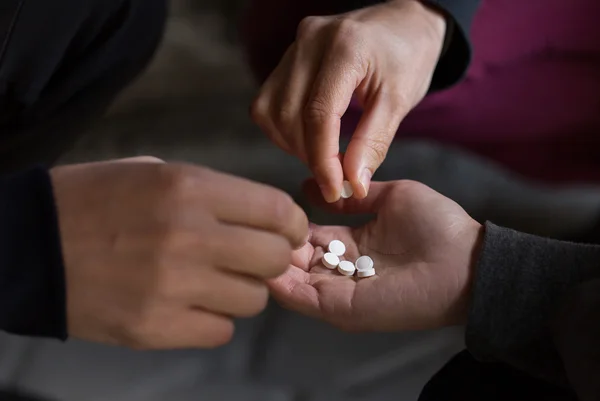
435 18
472 246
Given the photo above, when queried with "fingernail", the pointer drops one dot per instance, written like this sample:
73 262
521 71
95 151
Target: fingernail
329 193
365 179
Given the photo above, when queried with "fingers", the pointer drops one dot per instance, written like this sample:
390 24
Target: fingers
293 291
301 104
238 201
368 205
331 95
225 293
251 252
372 139
279 105
264 107
266 210
181 329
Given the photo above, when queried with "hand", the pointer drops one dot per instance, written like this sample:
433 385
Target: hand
385 55
423 246
161 256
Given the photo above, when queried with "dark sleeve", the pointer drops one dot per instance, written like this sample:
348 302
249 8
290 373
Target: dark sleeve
536 306
32 283
456 55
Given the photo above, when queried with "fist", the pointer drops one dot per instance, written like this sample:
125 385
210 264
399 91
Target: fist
162 256
384 56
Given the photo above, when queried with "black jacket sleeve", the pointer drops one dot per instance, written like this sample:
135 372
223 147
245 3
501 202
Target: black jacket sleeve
456 57
32 283
536 306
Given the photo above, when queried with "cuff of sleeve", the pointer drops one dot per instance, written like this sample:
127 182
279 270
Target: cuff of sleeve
456 54
520 281
32 278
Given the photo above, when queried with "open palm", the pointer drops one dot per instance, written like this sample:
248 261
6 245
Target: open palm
422 244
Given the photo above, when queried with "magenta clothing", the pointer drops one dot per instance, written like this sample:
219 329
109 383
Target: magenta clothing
531 97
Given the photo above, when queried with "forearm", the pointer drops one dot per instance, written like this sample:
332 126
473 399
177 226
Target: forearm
32 285
523 284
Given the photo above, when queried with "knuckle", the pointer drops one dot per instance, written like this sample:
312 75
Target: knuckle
218 335
377 148
316 111
348 33
285 118
175 180
308 27
259 109
347 27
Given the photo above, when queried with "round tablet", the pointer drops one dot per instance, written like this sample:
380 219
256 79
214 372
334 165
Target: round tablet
346 268
347 190
364 263
366 273
337 247
331 261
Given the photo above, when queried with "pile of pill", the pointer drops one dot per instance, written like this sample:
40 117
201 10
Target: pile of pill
363 268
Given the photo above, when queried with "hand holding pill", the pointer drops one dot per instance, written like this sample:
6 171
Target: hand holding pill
384 56
163 256
408 269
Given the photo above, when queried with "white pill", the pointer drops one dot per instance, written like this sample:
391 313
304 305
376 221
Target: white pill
337 247
346 268
347 191
364 263
366 273
331 261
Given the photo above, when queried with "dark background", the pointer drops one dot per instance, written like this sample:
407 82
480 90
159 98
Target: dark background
192 105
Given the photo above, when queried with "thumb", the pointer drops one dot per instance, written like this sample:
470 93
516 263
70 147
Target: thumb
371 141
368 205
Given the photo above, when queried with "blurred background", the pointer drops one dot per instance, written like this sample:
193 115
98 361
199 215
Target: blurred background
192 105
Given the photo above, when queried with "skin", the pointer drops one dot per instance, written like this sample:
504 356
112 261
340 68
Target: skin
384 56
164 256
424 247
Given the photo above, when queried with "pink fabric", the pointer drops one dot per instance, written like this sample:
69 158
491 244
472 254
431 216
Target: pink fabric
531 98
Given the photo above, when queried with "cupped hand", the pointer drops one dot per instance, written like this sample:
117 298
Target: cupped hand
424 246
384 55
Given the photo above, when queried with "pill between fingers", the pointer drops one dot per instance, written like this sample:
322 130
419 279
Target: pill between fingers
347 191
